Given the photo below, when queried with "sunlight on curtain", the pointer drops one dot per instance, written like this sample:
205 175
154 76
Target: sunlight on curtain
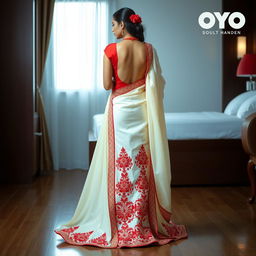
74 24
72 86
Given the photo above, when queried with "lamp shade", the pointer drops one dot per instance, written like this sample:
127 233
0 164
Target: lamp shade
247 65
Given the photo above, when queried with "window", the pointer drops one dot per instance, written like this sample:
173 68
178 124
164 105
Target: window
79 38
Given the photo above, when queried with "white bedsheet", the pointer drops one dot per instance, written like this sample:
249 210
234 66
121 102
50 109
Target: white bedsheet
191 125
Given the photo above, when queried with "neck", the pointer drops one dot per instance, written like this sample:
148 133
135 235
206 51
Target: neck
130 37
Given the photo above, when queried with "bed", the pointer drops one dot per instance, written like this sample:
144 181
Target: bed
205 147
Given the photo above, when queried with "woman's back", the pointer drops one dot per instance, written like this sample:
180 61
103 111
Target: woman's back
129 60
132 57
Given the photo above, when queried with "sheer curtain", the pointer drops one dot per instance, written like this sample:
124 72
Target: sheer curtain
72 85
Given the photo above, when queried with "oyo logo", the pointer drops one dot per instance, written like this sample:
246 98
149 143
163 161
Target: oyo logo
221 18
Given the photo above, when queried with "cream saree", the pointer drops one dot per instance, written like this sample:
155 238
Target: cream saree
126 198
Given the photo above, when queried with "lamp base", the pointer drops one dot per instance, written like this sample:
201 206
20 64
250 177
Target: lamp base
250 85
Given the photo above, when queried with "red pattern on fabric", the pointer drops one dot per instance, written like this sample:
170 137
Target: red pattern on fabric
126 235
124 210
81 237
70 230
101 240
124 186
141 208
173 230
123 162
141 184
141 159
143 234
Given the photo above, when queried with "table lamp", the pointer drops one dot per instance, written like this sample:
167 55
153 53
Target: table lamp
247 67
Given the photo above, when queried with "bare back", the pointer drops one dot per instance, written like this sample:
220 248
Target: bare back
132 57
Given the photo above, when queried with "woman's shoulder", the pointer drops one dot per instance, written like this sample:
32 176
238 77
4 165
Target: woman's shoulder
110 49
147 42
110 46
149 46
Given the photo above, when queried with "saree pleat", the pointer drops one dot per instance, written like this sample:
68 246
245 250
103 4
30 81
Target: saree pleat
126 199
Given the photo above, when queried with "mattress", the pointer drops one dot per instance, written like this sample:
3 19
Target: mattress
191 125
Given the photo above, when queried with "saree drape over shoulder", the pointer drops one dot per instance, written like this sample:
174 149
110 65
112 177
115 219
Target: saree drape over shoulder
126 198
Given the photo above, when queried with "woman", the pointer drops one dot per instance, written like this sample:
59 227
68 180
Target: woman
126 200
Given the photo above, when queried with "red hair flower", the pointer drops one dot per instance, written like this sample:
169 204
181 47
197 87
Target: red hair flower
135 18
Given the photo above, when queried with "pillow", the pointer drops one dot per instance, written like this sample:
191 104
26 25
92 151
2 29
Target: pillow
247 108
234 104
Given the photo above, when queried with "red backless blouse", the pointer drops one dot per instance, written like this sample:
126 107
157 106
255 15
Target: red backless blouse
111 53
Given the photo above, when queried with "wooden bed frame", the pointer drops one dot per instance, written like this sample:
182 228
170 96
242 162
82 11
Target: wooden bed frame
205 162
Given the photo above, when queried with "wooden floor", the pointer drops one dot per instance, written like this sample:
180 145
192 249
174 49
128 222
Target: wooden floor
218 219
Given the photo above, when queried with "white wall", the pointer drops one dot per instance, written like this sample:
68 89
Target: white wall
191 62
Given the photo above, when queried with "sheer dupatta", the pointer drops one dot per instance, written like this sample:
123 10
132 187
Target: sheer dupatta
157 136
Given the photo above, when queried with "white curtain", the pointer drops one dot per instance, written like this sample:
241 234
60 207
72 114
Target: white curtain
72 86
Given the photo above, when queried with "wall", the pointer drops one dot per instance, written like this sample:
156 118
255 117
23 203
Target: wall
16 96
191 62
233 85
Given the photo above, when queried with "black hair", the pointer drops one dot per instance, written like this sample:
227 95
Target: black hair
135 29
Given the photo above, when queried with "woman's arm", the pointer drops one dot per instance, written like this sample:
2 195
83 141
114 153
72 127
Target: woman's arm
108 81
